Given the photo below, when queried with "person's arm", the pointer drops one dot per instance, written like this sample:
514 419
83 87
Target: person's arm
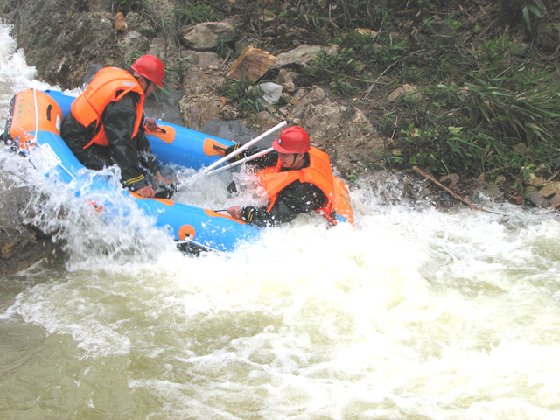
265 161
119 119
296 198
259 163
146 159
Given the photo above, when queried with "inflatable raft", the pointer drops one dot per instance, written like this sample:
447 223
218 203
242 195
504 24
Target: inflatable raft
33 127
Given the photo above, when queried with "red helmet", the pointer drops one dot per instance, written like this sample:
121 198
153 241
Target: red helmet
292 140
150 67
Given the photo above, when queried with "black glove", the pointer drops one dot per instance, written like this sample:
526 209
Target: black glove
165 190
231 188
232 149
247 152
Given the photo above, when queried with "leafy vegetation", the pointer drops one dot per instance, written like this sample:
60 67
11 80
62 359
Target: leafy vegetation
472 123
126 6
242 93
195 12
483 103
531 10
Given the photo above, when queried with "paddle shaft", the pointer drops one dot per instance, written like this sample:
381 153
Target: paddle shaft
243 148
240 161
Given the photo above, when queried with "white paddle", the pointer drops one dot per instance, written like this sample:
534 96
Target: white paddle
242 148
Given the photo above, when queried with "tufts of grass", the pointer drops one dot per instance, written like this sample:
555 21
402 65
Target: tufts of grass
243 94
195 12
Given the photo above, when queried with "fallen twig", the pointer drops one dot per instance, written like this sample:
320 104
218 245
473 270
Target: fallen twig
448 190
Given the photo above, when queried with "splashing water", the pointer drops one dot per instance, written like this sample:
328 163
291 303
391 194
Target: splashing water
412 314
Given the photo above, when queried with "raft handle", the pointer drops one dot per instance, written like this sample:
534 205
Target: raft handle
221 149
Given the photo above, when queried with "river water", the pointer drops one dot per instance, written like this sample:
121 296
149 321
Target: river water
413 314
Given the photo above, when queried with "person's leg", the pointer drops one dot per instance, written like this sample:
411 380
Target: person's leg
94 157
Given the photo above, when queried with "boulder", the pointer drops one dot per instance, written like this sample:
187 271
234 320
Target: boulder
303 55
252 64
20 245
207 36
550 189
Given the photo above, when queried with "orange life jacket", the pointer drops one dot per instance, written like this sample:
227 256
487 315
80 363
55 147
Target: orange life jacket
30 111
109 84
318 173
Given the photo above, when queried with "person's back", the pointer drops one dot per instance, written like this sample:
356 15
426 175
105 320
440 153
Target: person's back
114 118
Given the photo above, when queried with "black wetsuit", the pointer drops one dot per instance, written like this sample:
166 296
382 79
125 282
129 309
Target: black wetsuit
294 199
133 156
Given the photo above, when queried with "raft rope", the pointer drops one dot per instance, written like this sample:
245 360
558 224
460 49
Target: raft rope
36 115
35 138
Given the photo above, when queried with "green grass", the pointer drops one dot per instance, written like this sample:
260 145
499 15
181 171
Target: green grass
243 94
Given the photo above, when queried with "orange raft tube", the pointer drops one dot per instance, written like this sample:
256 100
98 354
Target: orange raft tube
31 111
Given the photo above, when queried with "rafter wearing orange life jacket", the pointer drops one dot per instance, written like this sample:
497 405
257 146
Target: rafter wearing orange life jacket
318 173
110 84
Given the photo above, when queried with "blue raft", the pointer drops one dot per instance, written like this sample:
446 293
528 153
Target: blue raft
35 121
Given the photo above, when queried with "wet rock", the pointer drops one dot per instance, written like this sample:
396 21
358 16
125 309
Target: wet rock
131 43
21 249
451 181
487 192
548 36
20 245
207 36
233 130
407 91
550 189
303 55
555 201
286 79
199 110
137 23
537 199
